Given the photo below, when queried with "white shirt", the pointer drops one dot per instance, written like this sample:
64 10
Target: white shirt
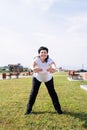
44 75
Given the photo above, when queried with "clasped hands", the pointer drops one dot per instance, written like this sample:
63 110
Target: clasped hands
50 69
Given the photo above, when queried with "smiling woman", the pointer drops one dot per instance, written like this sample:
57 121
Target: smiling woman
42 72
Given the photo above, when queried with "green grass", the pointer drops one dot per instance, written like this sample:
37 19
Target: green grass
14 95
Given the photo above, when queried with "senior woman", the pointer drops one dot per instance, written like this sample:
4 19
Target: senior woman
43 68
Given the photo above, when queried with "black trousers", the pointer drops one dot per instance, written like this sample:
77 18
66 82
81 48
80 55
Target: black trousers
34 91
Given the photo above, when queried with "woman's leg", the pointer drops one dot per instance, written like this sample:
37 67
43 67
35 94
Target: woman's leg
53 95
33 94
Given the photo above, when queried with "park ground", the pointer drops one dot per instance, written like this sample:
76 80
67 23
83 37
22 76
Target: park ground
13 100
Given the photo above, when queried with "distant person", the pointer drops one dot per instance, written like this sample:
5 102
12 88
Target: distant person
43 67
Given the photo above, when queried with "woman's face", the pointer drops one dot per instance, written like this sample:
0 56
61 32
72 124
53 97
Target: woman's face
43 55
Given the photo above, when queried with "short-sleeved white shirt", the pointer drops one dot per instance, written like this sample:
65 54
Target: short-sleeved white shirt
44 75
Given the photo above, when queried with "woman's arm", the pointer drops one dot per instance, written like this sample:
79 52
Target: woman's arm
35 67
52 68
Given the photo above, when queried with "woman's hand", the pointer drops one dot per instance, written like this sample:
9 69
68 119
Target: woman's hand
37 70
51 70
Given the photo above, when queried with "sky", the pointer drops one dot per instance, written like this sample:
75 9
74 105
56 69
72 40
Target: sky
60 25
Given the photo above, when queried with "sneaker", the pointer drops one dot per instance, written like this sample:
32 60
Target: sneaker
59 112
27 112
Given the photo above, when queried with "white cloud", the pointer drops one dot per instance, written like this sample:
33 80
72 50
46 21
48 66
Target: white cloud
25 25
77 23
44 4
40 5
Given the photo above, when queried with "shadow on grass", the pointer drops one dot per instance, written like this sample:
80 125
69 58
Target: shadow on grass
43 112
82 116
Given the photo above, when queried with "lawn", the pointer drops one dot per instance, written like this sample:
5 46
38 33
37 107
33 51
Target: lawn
14 95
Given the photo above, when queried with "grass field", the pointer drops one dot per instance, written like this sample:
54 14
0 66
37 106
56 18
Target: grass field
13 100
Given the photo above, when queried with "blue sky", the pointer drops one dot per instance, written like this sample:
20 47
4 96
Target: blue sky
60 25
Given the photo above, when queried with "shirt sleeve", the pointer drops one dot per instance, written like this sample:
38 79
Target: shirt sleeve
35 60
50 61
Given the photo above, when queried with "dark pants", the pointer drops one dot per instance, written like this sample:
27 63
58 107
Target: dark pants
50 87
